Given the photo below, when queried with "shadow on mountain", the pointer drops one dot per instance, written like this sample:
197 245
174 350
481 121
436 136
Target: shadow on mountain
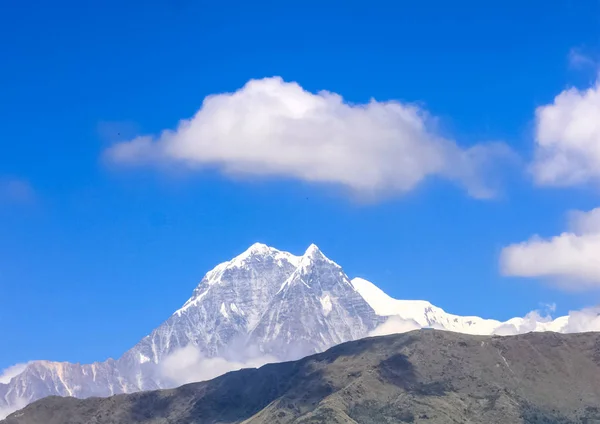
427 376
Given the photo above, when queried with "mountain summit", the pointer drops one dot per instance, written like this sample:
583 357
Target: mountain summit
264 305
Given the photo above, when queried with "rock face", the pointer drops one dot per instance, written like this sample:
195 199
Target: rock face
264 302
424 376
315 308
226 306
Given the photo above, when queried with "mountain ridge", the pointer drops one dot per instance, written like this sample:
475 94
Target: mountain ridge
269 304
423 376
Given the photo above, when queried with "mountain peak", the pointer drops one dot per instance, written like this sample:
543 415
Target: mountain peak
267 301
252 260
313 251
258 248
313 256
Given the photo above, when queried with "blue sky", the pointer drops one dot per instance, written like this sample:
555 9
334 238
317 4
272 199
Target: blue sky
95 253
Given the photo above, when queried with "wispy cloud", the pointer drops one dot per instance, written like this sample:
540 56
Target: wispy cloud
8 373
395 325
579 60
272 128
577 321
15 190
531 322
188 365
6 411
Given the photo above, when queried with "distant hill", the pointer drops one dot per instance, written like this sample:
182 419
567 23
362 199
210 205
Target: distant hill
424 376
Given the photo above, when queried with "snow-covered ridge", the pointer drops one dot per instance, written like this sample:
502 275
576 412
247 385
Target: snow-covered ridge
262 305
422 312
427 315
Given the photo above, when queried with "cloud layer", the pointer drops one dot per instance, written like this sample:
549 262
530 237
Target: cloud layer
533 321
6 411
572 258
395 325
188 365
272 128
8 373
583 320
567 139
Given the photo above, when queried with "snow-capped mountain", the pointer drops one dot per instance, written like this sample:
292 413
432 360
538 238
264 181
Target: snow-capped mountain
263 303
426 315
315 308
225 308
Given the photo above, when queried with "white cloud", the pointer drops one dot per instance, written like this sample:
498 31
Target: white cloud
395 325
188 365
577 321
8 373
567 139
549 307
533 321
583 320
578 59
582 223
272 128
572 258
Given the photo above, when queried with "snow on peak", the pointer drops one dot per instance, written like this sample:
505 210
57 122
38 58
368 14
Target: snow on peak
256 250
313 250
239 300
306 264
259 248
256 253
259 251
313 255
422 312
383 304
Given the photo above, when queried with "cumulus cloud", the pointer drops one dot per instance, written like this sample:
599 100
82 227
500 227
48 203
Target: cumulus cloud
572 258
533 321
395 325
188 365
577 321
583 320
272 128
8 373
567 139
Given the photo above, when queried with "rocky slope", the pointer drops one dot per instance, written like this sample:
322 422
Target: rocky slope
425 376
263 305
